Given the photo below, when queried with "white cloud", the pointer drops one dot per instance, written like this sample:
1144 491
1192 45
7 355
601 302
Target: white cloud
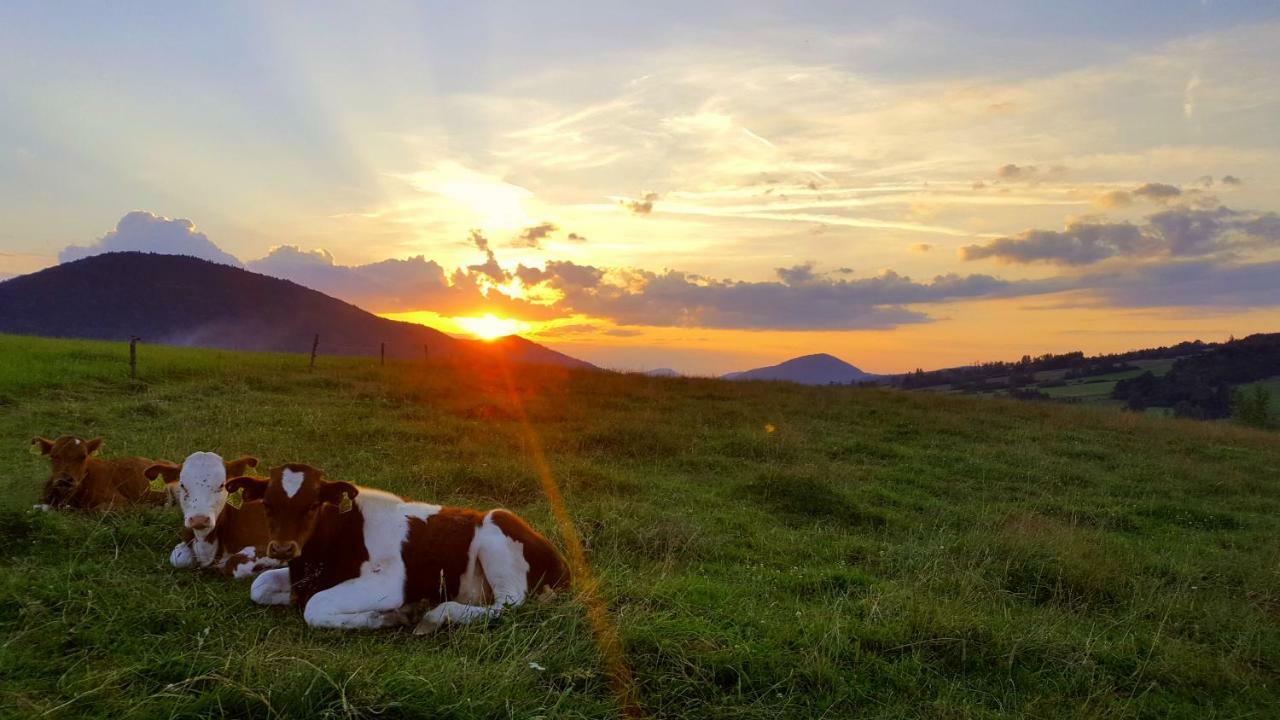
141 231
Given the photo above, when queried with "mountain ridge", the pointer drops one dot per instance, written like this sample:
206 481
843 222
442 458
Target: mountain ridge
182 300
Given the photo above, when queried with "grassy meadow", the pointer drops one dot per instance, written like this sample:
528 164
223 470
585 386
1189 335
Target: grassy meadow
764 550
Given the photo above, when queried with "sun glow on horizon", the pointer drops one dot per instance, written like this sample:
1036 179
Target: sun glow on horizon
490 327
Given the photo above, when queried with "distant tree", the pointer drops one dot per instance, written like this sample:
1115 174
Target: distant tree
1252 407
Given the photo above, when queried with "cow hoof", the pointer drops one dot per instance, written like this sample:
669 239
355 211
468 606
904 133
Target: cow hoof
42 507
427 626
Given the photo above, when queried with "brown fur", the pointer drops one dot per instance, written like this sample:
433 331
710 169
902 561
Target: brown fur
329 544
81 480
436 553
233 529
230 564
236 530
546 565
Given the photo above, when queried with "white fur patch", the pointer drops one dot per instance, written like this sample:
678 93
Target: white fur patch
204 549
291 481
503 561
181 556
271 587
374 598
201 488
244 570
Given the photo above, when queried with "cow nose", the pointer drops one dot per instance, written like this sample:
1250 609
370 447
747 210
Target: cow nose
198 522
282 550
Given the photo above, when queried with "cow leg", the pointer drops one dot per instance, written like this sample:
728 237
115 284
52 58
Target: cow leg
267 563
455 612
505 569
375 599
272 588
182 557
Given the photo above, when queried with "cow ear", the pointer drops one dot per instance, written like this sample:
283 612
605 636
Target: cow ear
168 470
42 445
92 446
332 492
240 466
252 488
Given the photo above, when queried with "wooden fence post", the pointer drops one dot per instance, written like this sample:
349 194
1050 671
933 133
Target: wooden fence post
382 353
133 357
315 345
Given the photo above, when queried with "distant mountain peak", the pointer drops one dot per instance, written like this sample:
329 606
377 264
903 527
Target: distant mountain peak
815 369
662 372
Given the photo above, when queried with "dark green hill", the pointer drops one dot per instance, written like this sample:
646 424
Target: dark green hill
179 300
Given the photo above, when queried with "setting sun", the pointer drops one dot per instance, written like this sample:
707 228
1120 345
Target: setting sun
490 326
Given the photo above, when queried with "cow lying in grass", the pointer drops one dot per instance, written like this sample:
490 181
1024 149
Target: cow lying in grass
216 533
363 558
81 480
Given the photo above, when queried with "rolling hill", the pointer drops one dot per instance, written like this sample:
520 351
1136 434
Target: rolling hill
869 553
180 300
819 369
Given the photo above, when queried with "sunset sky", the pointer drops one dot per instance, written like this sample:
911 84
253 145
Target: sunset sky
703 186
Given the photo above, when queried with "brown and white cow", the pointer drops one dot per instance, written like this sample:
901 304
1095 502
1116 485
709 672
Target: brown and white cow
215 534
81 480
363 558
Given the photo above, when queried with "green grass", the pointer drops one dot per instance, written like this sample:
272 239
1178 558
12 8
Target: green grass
1092 391
1272 386
879 554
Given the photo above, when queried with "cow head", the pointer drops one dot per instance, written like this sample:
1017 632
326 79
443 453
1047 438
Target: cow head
199 484
69 456
293 497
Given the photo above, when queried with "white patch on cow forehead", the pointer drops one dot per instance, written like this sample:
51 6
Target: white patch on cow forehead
203 469
292 481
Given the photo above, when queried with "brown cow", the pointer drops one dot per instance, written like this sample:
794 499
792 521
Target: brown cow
216 534
80 480
363 558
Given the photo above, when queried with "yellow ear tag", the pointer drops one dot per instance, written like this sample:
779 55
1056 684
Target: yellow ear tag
236 499
156 484
345 504
34 449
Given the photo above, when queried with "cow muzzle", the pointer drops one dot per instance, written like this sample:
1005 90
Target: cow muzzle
199 522
282 550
